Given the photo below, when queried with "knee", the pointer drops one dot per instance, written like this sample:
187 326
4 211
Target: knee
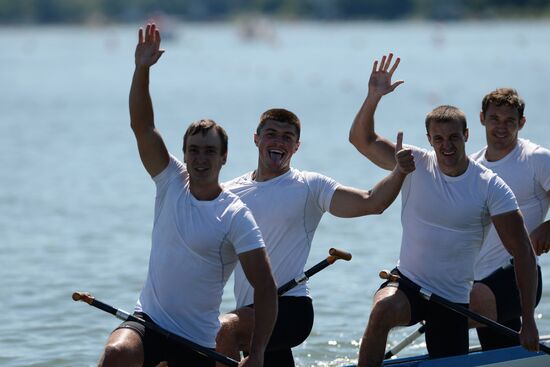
118 354
385 315
482 300
228 329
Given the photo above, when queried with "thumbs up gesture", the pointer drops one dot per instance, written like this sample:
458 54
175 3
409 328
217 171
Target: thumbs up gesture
403 157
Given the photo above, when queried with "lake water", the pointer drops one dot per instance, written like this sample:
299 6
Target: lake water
76 205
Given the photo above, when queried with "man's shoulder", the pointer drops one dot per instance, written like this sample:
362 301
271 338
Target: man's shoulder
237 181
231 202
479 155
533 149
481 170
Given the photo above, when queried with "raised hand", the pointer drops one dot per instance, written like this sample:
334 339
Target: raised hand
380 79
148 48
403 157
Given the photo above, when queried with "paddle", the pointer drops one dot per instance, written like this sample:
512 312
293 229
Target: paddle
123 315
334 254
408 340
429 296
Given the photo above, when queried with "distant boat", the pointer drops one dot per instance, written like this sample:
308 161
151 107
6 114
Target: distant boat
257 28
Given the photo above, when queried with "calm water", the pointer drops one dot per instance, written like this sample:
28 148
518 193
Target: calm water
76 205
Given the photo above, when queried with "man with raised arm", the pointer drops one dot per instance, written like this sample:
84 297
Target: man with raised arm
525 167
288 204
447 203
200 231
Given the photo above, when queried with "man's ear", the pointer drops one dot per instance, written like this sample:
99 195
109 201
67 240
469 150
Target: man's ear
256 139
466 134
482 118
522 122
224 158
429 139
297 146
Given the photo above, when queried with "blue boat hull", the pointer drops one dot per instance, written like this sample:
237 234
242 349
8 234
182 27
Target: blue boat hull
506 357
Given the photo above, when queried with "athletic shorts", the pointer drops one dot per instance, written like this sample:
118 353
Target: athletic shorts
446 330
158 348
294 323
502 283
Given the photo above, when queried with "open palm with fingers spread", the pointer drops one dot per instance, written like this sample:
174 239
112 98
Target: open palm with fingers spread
148 48
380 79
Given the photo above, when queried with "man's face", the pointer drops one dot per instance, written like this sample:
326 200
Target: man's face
203 156
449 142
502 124
276 143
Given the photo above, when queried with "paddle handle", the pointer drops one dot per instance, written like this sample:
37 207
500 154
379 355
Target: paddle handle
429 296
334 254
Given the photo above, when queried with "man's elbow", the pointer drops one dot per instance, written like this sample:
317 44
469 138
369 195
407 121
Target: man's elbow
373 206
265 284
270 286
358 141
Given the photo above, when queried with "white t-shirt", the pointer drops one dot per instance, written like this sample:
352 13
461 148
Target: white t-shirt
194 250
526 169
445 220
287 209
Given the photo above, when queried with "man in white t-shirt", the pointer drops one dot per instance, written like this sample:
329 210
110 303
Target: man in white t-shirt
200 232
525 167
288 204
447 204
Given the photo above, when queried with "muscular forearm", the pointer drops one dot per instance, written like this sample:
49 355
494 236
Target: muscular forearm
265 314
527 281
141 107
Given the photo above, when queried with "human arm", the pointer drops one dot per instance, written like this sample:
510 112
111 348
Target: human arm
540 238
152 151
257 270
514 237
362 134
350 202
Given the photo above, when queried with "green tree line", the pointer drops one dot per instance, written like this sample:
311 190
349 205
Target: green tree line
78 11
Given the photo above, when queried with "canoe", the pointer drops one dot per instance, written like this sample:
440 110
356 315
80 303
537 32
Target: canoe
505 357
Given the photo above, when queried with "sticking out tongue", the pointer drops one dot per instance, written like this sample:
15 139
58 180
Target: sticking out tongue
275 156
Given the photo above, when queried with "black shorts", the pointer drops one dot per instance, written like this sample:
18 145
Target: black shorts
502 283
446 330
158 348
294 323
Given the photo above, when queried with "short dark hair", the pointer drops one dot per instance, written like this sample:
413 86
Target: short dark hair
203 126
504 96
446 113
281 115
